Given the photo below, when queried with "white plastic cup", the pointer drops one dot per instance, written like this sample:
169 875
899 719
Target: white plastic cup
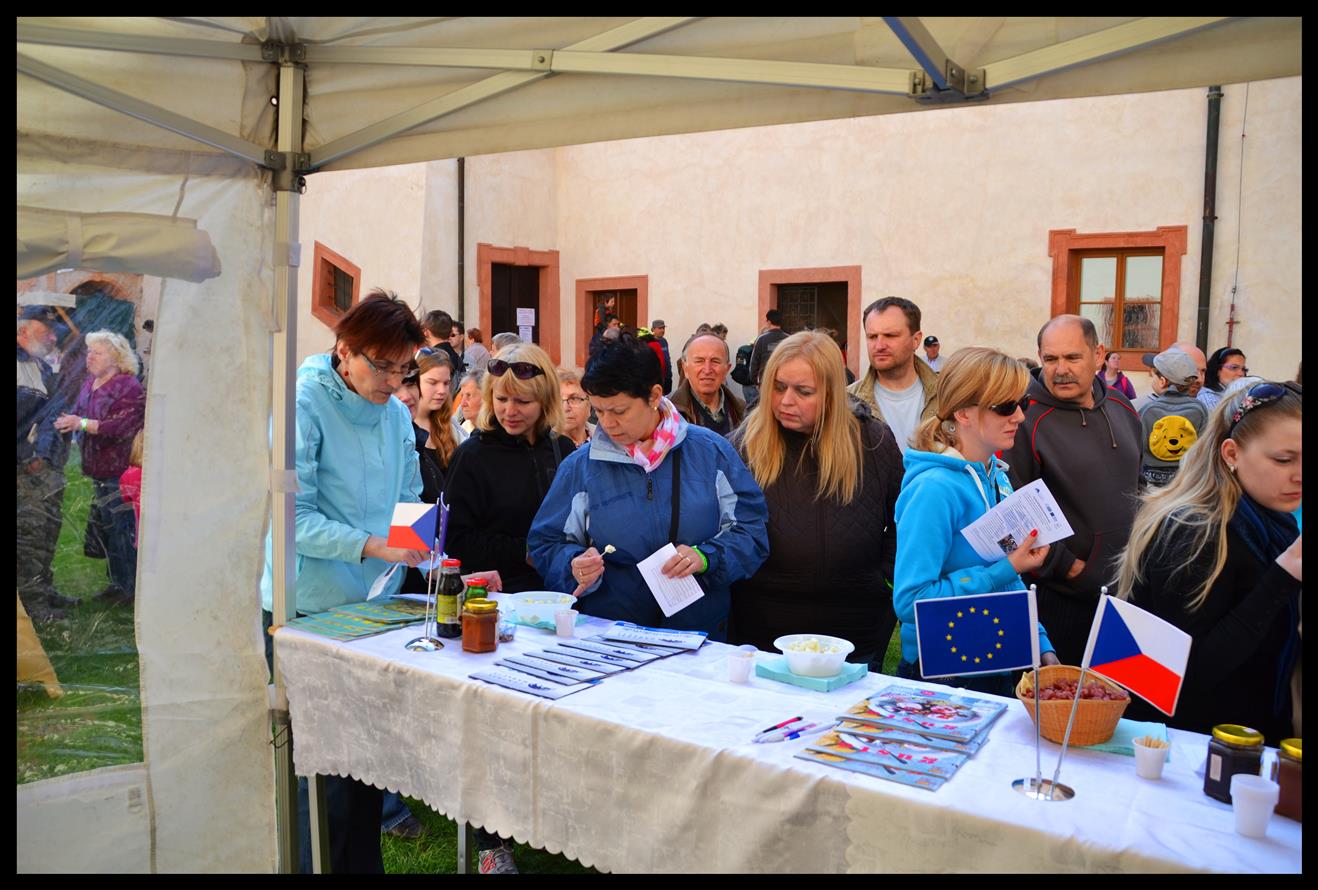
1149 760
1253 799
740 662
565 622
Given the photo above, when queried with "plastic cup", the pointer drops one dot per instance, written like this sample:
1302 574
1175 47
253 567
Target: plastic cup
1149 760
740 662
565 621
1253 799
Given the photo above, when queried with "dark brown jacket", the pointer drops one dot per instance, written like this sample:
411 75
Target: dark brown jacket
683 400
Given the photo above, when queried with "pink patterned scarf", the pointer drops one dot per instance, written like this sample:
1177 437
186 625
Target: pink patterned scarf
665 434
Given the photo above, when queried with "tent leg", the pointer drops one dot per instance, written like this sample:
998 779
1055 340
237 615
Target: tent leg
286 797
466 838
320 848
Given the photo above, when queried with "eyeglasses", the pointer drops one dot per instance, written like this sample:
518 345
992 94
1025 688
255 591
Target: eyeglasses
1235 367
572 401
379 371
1007 409
521 370
1260 394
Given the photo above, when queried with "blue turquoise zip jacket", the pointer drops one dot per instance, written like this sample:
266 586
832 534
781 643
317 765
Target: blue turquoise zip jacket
942 494
355 461
600 497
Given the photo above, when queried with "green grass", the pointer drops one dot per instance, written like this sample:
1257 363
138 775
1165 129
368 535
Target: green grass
437 852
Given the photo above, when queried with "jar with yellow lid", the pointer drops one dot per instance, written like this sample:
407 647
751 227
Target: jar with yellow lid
480 625
1286 772
1232 749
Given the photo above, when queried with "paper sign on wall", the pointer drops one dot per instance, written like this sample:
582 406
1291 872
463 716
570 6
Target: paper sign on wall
525 318
525 333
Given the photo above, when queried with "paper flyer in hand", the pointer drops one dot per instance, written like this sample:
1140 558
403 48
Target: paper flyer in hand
956 717
672 594
656 636
902 777
912 758
1005 527
867 733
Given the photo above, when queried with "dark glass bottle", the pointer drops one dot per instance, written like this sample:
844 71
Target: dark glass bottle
448 600
1232 749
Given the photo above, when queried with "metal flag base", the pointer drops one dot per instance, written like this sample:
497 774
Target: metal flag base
1043 789
425 644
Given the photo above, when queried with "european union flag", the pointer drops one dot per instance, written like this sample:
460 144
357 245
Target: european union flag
982 634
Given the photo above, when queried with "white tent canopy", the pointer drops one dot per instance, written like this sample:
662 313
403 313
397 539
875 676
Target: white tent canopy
195 120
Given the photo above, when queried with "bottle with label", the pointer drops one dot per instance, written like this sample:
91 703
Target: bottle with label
1232 749
448 600
1287 772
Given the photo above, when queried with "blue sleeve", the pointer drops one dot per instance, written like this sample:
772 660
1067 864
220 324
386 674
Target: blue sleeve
742 544
558 532
318 536
412 483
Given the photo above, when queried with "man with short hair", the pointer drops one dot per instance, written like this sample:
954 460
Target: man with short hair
658 328
41 453
438 327
1172 419
703 398
1083 440
900 391
931 356
771 336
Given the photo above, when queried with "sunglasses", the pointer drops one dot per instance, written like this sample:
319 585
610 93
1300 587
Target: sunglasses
1261 394
521 370
1007 409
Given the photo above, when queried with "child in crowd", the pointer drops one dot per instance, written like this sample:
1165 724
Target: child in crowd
130 484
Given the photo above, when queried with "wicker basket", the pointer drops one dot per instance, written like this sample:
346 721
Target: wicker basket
1095 719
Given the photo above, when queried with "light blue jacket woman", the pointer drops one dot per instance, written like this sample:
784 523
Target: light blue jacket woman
355 461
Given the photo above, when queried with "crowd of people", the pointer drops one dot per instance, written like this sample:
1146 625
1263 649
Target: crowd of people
813 505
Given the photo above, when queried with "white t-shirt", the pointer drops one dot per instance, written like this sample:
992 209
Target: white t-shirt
901 409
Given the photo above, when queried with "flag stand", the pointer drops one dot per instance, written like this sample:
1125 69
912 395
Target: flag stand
1075 706
1035 787
429 640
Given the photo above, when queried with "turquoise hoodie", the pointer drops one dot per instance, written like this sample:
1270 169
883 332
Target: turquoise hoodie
355 461
940 497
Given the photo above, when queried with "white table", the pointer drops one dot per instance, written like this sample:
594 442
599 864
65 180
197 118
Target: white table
653 771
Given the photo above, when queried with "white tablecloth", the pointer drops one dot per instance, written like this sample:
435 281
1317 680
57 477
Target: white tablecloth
653 770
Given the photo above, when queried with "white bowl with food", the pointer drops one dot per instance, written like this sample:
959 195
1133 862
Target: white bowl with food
814 655
536 608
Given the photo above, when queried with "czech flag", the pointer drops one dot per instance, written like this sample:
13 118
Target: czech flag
413 526
1138 650
984 634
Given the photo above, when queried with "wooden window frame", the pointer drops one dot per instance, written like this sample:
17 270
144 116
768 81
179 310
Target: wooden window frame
323 307
1067 247
585 326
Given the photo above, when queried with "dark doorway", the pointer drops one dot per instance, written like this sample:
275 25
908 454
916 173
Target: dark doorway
811 306
513 288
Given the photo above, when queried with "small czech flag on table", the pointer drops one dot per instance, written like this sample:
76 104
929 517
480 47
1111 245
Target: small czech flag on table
1138 650
413 527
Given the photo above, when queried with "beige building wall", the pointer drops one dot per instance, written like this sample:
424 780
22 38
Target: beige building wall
951 209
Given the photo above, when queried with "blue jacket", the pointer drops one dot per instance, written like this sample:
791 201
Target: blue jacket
939 498
600 496
355 461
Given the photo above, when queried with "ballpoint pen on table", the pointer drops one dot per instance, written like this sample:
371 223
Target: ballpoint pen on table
777 726
795 733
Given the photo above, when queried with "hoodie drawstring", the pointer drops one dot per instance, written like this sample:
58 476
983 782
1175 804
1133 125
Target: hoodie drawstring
1111 435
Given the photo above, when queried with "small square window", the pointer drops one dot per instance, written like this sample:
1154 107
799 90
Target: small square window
335 285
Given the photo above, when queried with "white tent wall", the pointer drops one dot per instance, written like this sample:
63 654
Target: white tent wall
208 775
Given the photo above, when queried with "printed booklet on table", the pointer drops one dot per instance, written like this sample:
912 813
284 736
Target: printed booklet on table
956 717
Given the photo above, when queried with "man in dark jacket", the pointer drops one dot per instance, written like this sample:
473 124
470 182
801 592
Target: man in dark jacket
1083 440
658 329
703 398
41 452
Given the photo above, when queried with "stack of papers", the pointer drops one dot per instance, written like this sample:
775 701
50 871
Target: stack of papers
916 737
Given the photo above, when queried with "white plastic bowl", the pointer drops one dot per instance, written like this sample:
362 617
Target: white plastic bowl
538 606
814 664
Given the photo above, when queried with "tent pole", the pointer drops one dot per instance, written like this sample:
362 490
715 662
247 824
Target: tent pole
284 467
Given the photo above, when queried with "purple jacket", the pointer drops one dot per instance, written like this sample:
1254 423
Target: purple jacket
1123 384
120 406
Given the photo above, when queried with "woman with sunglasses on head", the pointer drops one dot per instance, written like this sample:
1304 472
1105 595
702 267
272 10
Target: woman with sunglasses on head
952 478
356 460
647 479
1217 553
1224 365
499 476
830 473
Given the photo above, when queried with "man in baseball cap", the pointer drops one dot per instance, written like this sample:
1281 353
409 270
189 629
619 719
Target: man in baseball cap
657 328
931 356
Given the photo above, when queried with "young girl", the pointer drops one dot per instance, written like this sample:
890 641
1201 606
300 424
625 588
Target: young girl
130 484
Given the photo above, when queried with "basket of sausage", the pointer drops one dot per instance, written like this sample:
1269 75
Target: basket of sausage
1102 702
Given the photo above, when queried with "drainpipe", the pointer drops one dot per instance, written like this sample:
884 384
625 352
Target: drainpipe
462 240
1210 216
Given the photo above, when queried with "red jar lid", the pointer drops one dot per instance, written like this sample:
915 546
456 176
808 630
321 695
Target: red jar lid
451 563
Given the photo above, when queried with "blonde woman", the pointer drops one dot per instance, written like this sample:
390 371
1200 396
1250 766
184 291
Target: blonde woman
830 473
500 475
110 411
576 408
1217 553
953 478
